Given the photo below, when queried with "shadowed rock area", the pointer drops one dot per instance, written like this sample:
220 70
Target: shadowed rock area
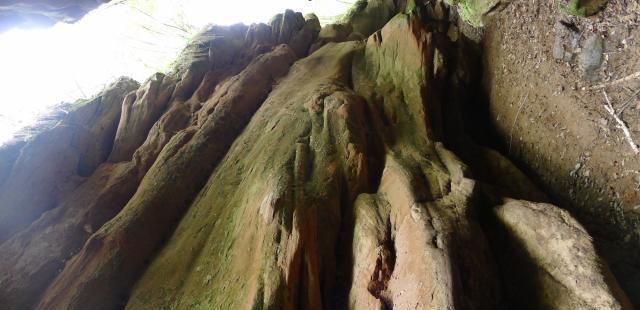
293 166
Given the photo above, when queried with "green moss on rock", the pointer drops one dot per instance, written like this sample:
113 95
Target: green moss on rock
582 7
473 11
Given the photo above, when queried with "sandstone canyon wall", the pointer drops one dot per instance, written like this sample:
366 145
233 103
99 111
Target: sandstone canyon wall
288 166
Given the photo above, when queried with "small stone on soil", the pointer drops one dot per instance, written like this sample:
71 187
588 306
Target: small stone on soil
566 41
590 57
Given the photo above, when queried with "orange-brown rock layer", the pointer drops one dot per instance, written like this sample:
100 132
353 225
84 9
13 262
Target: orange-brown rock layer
32 258
279 168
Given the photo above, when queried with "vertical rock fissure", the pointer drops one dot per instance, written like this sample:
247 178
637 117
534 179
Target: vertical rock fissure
384 266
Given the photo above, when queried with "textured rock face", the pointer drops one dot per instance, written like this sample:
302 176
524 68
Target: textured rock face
29 266
274 168
561 256
56 160
140 110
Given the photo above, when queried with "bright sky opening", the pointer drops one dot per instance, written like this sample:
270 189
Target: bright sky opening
43 67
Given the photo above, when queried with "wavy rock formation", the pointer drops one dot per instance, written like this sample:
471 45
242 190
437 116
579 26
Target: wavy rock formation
286 166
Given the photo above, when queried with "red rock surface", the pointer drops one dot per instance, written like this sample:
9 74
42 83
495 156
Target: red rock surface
279 167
